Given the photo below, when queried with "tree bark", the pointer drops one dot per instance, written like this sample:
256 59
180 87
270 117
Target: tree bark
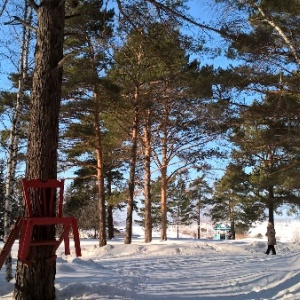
110 222
14 138
131 185
100 174
164 184
36 281
110 219
199 220
147 180
271 204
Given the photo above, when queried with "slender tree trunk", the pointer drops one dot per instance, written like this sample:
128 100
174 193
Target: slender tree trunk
269 164
131 183
232 229
232 220
101 203
164 182
271 204
199 221
99 150
147 181
110 222
110 219
163 234
14 137
100 175
36 281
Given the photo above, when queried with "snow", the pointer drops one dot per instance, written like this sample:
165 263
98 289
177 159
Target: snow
179 269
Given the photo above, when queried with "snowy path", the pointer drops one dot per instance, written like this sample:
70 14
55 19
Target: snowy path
187 276
183 269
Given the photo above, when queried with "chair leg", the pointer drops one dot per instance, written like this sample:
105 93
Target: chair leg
76 237
21 240
26 237
67 242
25 241
65 237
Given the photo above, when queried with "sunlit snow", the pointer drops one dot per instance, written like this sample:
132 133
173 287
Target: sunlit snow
179 269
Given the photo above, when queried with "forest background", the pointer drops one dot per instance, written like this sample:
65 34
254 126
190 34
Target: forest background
189 109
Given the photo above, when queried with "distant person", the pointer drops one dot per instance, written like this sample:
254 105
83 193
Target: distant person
271 239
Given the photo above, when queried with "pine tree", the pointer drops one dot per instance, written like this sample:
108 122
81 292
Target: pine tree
87 93
234 202
265 45
37 281
264 144
199 193
179 203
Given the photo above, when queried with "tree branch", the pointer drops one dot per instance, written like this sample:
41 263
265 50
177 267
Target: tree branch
33 5
18 20
281 33
3 7
189 20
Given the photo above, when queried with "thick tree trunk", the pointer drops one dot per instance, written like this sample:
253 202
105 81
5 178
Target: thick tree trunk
147 183
36 281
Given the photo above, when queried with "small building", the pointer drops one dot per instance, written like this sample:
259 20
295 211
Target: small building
221 231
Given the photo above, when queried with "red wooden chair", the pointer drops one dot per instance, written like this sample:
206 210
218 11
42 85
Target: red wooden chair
44 203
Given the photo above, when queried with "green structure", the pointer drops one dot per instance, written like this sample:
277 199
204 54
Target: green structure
221 231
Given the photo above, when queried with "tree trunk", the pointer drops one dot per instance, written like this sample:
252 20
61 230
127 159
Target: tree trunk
232 220
271 205
163 233
14 138
110 219
100 173
164 181
36 281
131 185
147 182
110 222
232 229
101 199
199 221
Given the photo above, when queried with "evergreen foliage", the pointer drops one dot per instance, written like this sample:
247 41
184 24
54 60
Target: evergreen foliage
143 103
234 200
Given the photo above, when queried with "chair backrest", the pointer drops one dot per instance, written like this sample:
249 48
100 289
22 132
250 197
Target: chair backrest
43 198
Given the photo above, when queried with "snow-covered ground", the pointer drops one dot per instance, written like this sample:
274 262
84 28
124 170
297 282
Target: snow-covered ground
180 269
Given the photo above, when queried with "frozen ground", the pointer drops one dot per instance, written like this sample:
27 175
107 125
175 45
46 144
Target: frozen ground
179 269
